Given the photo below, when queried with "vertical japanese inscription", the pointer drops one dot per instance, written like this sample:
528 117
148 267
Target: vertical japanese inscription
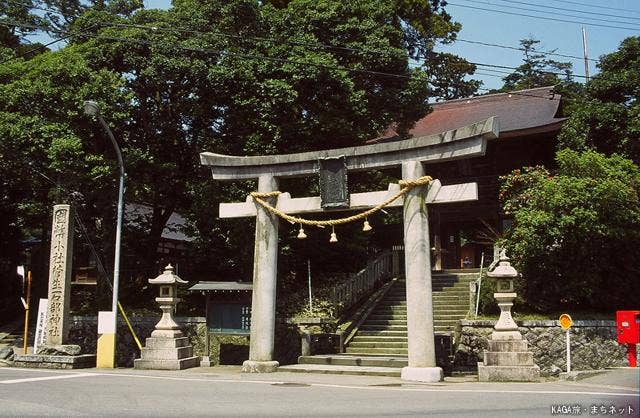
334 191
59 274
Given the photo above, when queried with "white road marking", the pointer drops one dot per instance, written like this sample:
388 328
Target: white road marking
37 379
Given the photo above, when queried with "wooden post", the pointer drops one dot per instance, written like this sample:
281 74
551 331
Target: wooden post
26 313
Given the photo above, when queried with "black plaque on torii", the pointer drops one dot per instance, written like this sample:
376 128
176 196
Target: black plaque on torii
334 191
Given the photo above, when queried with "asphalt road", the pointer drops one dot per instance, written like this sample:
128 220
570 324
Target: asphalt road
226 392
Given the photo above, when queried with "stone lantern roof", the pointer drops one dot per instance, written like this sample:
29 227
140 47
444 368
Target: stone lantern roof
504 270
167 277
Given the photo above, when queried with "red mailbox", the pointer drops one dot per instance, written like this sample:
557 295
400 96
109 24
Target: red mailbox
628 325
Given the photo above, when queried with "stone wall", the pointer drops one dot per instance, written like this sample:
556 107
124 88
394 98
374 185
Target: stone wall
224 349
593 345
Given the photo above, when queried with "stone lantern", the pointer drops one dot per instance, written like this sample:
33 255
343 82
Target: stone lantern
167 348
167 300
504 273
508 358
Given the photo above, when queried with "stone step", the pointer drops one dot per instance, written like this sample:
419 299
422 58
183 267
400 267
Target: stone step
350 370
379 351
376 344
387 333
460 313
452 292
385 322
450 298
385 309
378 338
352 360
385 317
452 303
366 327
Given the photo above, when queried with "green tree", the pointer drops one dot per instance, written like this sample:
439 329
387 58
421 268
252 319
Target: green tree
607 117
49 149
537 69
236 77
247 77
575 233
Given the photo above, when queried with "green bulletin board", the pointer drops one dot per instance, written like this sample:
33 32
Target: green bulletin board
232 318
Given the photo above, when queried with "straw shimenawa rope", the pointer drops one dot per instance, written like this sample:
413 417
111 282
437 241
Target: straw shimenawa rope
406 185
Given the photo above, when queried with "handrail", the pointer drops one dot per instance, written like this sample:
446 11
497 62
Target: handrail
348 292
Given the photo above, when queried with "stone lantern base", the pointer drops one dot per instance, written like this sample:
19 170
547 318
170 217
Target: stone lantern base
508 361
166 353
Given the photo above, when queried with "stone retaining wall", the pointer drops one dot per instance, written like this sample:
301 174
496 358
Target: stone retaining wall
225 349
593 345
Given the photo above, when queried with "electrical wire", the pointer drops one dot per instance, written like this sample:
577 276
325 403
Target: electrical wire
540 17
596 6
490 3
515 48
266 58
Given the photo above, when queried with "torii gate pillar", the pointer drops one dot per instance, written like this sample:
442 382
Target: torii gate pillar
263 301
420 334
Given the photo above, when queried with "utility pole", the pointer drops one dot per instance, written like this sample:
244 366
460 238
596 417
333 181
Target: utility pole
586 57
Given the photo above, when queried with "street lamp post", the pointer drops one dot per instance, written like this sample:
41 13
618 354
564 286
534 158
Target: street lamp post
91 108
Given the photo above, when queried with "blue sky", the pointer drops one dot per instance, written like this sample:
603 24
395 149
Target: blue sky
566 38
504 29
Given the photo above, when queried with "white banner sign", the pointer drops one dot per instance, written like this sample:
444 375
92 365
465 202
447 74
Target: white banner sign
41 325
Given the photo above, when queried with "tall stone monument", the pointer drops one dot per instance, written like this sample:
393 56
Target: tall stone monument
60 275
56 353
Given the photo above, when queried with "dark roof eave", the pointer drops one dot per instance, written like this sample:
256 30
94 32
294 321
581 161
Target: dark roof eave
551 127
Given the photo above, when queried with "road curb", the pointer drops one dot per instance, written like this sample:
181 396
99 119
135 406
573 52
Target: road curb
580 374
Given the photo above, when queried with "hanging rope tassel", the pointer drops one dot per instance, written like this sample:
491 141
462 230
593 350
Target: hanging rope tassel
333 238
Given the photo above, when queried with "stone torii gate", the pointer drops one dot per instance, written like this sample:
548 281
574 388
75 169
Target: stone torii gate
410 154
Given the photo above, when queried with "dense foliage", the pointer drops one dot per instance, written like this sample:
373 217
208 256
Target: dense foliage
537 70
237 77
575 232
607 117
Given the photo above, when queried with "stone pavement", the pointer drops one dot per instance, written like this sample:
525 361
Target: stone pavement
623 378
224 391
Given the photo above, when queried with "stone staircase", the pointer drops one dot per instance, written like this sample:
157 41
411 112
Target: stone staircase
379 347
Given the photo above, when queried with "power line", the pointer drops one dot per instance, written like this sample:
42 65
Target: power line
540 17
284 60
36 49
275 59
523 49
596 7
560 8
319 45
